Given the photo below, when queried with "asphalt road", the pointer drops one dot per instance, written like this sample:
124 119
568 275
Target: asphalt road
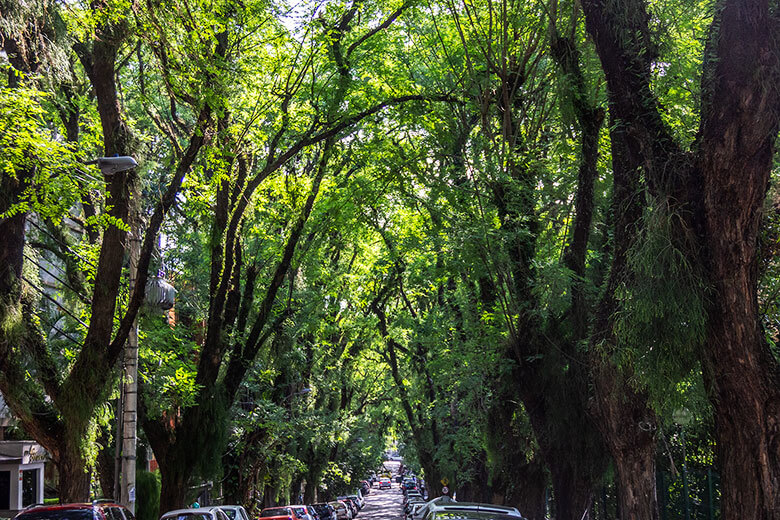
384 504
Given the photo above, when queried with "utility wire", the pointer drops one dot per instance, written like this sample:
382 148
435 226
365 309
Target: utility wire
55 302
61 243
65 334
63 282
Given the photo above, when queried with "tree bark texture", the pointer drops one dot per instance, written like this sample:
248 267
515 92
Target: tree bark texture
74 479
739 128
173 493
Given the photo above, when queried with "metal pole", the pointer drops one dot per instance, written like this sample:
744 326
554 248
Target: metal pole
661 491
130 409
710 496
118 438
685 477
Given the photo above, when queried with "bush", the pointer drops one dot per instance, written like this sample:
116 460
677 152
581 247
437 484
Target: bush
147 495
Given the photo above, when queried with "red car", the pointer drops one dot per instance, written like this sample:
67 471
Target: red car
97 510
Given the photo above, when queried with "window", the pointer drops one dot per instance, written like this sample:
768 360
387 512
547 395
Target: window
113 513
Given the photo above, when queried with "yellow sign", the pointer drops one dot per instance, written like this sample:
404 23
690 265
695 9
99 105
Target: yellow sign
444 481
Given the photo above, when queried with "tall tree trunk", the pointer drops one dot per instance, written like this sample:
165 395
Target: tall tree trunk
173 493
74 480
105 463
528 491
739 129
629 430
627 423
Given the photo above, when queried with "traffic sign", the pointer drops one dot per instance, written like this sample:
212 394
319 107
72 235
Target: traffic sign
444 481
445 490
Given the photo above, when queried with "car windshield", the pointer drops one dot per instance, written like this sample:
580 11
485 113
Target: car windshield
71 514
276 511
231 513
466 514
300 511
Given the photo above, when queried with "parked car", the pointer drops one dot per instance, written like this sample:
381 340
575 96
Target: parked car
409 506
280 517
270 512
198 513
384 483
412 495
343 511
324 511
352 504
415 513
302 512
358 497
446 509
97 510
235 512
409 484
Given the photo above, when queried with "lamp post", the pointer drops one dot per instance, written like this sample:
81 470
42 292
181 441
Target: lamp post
125 453
683 418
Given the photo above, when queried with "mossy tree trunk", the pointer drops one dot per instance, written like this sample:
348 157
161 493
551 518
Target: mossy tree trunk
721 185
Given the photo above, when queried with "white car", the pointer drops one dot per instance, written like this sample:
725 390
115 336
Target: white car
447 508
342 511
198 513
416 512
235 512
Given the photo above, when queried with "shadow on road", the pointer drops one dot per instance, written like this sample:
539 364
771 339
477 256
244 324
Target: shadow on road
384 504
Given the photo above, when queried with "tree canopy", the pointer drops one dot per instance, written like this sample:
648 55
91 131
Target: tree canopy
516 240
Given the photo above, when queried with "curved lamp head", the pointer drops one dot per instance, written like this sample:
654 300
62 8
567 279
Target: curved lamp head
112 165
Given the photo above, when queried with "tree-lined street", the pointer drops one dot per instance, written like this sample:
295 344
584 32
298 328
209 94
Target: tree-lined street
384 504
248 248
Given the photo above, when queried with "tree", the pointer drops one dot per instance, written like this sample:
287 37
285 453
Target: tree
716 189
58 407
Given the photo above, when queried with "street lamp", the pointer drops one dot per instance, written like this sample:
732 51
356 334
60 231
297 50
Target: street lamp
302 391
128 402
111 165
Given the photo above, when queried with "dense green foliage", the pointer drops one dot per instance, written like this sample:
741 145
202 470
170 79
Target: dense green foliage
386 222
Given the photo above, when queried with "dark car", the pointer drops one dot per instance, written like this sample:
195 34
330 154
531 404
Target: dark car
324 511
97 510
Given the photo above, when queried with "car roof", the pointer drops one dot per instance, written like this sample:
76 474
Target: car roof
476 507
55 507
207 509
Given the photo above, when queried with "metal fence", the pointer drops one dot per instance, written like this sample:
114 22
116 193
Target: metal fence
691 494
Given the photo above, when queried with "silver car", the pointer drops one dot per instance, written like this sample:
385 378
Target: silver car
197 513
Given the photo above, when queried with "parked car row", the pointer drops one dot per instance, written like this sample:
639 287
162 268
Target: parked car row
414 498
110 510
345 508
